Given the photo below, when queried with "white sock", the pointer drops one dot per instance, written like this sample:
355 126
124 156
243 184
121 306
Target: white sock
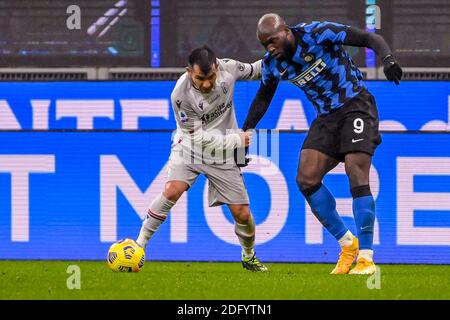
246 235
144 235
346 240
366 254
248 253
157 214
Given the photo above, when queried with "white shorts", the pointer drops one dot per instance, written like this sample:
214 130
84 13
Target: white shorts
225 181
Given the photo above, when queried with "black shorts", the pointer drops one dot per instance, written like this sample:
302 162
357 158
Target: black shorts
350 128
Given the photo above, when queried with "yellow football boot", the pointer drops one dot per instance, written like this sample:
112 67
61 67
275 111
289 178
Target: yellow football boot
363 266
346 258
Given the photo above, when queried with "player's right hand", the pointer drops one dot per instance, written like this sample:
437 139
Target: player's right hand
392 69
241 157
246 138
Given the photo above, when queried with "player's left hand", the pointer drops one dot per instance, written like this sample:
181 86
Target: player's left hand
392 69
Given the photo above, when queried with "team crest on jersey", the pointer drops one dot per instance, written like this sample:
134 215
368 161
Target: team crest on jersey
309 57
224 87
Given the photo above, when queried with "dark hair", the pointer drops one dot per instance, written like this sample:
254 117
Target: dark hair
204 57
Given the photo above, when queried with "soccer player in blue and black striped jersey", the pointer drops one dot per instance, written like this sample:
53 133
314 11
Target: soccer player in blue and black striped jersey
312 57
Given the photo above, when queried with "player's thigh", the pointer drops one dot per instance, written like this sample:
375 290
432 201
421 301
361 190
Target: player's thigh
180 177
357 168
174 189
225 185
312 167
323 136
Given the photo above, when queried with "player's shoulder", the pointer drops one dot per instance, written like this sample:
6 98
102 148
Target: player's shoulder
306 27
230 68
224 62
335 27
268 60
317 26
228 65
269 70
309 28
181 87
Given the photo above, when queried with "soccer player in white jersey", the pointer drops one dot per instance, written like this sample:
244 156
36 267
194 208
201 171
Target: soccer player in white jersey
205 143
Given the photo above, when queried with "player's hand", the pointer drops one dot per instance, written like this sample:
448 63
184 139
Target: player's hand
392 69
241 158
240 154
246 138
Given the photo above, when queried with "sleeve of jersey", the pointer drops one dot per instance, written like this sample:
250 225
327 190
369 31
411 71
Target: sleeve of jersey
243 71
260 104
330 32
192 132
267 76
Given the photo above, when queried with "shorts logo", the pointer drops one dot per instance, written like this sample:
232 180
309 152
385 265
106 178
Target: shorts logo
178 103
200 105
356 140
241 67
306 76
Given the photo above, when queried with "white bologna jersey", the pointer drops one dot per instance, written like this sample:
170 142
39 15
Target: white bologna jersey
207 130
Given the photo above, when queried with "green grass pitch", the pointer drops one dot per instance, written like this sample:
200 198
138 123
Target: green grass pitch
223 281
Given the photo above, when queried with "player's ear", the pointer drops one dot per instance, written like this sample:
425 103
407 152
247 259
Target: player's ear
189 71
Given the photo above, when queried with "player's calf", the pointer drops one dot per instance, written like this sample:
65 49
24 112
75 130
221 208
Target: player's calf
364 213
156 215
244 228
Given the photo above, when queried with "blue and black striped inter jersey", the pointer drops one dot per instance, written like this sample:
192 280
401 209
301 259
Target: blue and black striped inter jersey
320 66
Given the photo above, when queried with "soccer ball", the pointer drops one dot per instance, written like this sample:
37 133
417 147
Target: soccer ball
126 256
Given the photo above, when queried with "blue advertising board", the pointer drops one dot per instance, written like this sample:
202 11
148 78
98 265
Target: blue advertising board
69 195
146 105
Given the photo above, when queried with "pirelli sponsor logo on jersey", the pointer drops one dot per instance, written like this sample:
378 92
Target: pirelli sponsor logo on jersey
302 79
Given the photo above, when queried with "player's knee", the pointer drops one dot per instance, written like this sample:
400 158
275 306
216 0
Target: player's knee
358 173
173 192
242 213
357 178
307 181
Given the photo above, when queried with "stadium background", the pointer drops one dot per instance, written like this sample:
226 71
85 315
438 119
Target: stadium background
86 129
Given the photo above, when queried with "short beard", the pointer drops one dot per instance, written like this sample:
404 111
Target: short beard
288 49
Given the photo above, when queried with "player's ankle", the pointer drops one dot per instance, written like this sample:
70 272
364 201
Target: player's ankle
367 254
143 238
347 240
248 253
